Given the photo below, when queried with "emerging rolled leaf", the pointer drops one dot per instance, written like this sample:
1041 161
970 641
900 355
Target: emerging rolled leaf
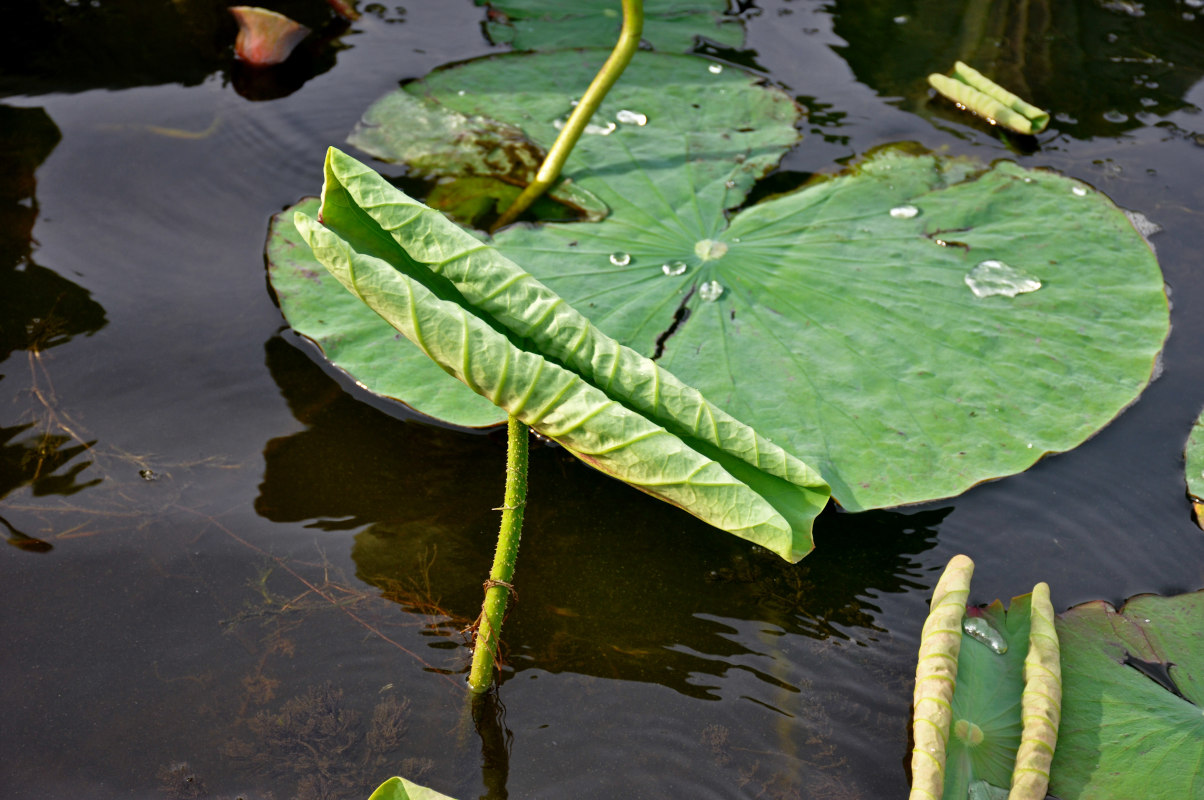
1193 456
936 677
511 339
973 90
1041 703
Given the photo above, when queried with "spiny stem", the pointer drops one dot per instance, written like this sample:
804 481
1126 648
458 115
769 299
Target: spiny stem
620 57
493 611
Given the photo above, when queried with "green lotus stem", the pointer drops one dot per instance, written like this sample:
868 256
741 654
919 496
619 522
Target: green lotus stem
620 57
499 586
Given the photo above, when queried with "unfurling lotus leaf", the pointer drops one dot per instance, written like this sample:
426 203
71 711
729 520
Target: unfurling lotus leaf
512 340
988 695
936 677
1041 703
973 90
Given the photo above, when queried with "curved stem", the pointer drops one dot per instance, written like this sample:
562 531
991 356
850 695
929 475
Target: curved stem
620 57
484 653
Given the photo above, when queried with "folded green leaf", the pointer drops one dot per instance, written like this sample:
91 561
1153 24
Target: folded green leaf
1193 456
511 339
978 93
936 677
401 789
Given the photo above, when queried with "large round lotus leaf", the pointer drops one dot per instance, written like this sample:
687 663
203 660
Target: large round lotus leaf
669 25
358 341
866 322
1133 706
1194 456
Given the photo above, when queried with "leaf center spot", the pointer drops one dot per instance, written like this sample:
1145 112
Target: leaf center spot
709 249
968 732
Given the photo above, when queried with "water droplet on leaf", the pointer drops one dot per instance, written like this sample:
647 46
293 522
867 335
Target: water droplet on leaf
995 277
710 291
715 69
1079 191
620 259
631 117
904 212
979 629
674 268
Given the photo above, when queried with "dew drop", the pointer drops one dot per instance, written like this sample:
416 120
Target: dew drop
631 117
710 291
904 212
460 93
994 277
715 69
901 19
620 259
1079 191
673 268
979 629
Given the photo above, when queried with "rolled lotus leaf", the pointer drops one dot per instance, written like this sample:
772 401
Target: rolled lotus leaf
936 678
1041 703
511 339
978 93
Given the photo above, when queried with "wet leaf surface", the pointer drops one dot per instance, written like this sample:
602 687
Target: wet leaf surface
890 373
669 25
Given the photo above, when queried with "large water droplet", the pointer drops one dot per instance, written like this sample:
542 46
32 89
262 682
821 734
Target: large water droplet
1079 191
674 268
710 291
980 629
904 212
620 259
631 117
995 277
715 69
709 249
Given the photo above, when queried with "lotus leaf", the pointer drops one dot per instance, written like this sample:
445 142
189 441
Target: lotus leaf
669 25
846 320
1194 456
1132 720
355 339
509 338
401 789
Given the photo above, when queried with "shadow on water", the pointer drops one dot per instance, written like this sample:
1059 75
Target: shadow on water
1101 66
39 309
610 583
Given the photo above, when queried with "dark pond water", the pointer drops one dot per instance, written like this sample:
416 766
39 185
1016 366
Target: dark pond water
234 576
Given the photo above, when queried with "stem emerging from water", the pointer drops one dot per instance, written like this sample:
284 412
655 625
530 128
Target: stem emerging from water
499 586
620 57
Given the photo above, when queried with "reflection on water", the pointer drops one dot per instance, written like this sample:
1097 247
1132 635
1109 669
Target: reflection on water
595 555
1102 68
75 46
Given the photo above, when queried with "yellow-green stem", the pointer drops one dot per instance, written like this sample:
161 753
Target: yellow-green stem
549 170
501 577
